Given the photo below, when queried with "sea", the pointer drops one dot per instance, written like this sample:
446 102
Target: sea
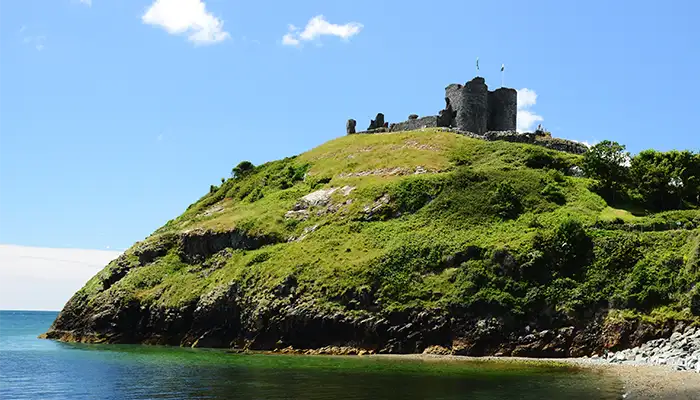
32 368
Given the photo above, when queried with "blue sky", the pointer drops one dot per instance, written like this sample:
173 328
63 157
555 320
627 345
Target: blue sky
116 115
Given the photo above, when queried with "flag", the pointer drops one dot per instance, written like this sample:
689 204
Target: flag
503 67
477 63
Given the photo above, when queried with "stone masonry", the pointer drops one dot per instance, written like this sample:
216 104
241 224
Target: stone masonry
470 108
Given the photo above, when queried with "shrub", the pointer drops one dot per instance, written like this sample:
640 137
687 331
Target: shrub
411 194
507 201
650 284
553 193
565 252
242 169
542 158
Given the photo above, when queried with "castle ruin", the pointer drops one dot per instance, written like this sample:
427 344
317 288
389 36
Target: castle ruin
470 108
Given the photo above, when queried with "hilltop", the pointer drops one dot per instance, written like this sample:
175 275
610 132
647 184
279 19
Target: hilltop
406 242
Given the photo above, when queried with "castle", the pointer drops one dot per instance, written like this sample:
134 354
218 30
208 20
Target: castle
469 108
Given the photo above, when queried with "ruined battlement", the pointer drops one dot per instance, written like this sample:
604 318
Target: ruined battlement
470 108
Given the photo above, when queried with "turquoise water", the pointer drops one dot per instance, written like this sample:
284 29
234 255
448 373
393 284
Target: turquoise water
32 368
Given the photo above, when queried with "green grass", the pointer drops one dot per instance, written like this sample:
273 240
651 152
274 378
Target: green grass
401 253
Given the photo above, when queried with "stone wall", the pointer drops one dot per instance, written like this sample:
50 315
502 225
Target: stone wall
414 124
565 145
453 98
503 109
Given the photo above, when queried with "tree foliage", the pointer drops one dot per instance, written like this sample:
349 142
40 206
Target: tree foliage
664 181
242 169
656 180
607 163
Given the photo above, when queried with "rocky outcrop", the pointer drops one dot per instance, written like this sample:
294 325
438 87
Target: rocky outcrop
196 246
287 319
681 350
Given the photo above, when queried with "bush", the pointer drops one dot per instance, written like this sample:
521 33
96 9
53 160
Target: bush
566 252
507 201
553 193
650 285
242 169
411 194
542 158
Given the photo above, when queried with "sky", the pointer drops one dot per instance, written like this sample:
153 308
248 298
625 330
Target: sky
116 115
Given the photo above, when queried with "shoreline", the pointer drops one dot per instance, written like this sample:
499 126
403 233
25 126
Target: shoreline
638 381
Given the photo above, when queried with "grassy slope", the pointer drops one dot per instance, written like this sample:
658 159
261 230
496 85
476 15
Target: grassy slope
400 254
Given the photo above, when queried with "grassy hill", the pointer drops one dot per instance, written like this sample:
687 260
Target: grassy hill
395 243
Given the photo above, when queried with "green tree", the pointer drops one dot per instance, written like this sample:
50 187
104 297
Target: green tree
664 181
607 163
242 169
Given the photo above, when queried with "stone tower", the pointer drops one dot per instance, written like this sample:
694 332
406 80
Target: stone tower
503 109
477 110
471 105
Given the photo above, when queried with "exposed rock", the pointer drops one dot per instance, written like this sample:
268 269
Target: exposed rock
318 199
378 207
681 350
196 246
576 171
413 116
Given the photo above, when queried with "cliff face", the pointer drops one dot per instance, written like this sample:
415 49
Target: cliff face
397 243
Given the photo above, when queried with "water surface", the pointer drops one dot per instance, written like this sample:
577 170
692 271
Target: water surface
32 368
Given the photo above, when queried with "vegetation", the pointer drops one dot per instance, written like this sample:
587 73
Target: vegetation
653 180
432 219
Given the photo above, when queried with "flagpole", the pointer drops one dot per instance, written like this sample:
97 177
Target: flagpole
503 73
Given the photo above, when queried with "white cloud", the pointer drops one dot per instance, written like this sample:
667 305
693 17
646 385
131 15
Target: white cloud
86 2
186 17
38 278
317 27
159 137
290 40
526 117
36 41
526 98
